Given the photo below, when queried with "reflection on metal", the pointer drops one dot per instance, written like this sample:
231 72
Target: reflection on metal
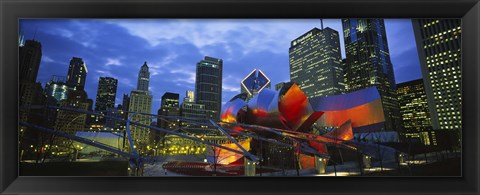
289 108
289 112
245 151
283 117
218 155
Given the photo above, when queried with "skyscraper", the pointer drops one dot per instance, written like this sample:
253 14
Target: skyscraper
125 106
143 78
30 55
368 64
141 101
193 111
57 88
254 82
439 51
315 63
414 109
189 96
125 102
169 107
77 73
208 86
115 124
106 93
105 100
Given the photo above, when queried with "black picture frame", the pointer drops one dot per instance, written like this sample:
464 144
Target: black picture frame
12 10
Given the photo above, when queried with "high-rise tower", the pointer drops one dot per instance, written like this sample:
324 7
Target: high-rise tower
141 102
57 88
143 78
106 93
208 86
368 64
439 51
413 106
315 63
169 107
77 73
30 55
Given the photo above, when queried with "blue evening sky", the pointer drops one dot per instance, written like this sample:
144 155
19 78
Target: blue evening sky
172 47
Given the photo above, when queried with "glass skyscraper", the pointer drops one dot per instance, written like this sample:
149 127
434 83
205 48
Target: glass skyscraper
414 110
106 93
439 51
315 63
57 88
368 64
77 73
208 86
168 107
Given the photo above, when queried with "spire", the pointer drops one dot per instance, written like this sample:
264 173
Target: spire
321 23
145 64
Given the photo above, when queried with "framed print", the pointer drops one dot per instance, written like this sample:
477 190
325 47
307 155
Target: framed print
269 97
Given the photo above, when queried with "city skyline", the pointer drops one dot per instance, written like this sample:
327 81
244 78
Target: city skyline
354 102
184 45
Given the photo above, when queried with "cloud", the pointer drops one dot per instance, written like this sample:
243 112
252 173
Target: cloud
113 62
184 75
63 32
250 35
47 59
157 68
127 82
172 47
104 73
231 83
231 88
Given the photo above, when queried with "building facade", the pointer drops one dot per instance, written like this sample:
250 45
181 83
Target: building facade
195 112
189 96
168 107
414 109
68 121
30 55
141 101
143 78
77 73
368 64
315 63
106 93
208 86
57 88
439 51
114 124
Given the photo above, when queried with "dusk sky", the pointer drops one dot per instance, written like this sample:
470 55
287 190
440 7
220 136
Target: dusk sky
172 47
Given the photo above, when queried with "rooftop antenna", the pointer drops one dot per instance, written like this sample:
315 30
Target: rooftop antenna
321 23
